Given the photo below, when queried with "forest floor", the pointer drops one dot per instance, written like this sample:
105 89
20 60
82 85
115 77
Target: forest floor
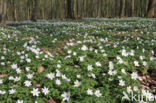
86 61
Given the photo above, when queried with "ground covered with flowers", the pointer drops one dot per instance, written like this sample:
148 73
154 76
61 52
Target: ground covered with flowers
88 61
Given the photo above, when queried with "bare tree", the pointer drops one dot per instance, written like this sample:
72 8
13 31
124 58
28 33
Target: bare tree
150 10
74 9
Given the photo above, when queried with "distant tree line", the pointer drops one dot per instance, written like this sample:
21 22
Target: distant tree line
17 10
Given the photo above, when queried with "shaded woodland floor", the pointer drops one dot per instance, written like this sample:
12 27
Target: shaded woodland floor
86 61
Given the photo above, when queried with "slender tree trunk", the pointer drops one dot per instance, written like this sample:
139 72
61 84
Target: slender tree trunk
69 10
51 3
3 10
120 11
123 8
150 10
132 8
99 8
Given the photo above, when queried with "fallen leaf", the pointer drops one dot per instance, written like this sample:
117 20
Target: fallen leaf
40 69
3 75
51 101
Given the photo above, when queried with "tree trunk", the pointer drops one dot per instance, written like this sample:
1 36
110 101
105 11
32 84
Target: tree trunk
132 8
34 10
123 8
3 11
150 10
69 9
99 8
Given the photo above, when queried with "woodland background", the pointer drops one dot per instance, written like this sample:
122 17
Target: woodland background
18 10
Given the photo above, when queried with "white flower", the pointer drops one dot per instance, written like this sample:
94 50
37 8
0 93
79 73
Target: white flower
22 57
90 49
136 63
141 57
50 76
69 51
84 48
74 53
135 88
35 92
27 68
144 63
90 92
129 89
14 66
58 82
131 53
2 92
18 70
58 73
123 71
134 75
12 91
104 54
58 66
81 58
118 57
2 63
101 47
77 83
27 83
1 81
122 83
149 96
37 56
120 77
120 61
92 75
29 76
111 65
45 90
114 72
152 51
46 56
143 50
110 72
97 93
28 60
90 68
96 51
20 101
11 78
78 76
98 64
2 57
124 53
64 76
17 79
66 96
103 74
